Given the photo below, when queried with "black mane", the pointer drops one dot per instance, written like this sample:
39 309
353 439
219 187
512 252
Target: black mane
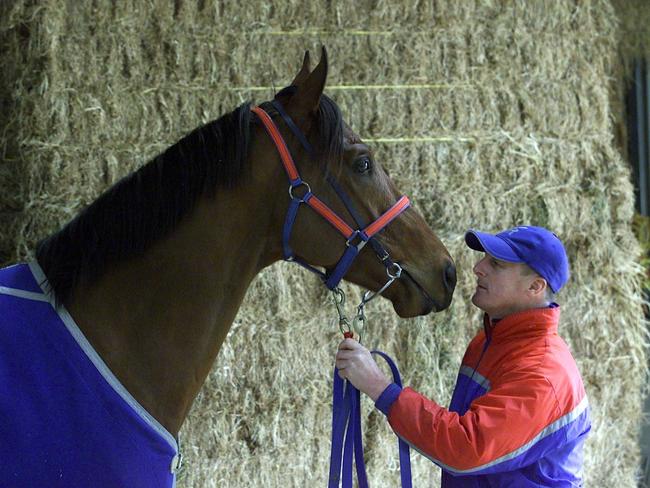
148 204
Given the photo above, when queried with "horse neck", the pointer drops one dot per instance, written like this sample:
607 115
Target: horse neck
159 321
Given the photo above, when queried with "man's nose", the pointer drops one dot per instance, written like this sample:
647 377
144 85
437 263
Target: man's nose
478 269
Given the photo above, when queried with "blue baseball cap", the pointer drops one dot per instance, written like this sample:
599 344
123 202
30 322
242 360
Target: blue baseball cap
538 247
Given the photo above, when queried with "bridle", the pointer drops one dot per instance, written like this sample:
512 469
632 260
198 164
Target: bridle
356 239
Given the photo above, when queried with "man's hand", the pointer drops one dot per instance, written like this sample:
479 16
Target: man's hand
355 364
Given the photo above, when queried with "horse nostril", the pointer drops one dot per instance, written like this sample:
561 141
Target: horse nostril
449 277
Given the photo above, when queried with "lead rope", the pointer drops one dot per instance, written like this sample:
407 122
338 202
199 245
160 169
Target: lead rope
347 440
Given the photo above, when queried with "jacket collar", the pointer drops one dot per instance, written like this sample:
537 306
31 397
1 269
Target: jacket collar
527 323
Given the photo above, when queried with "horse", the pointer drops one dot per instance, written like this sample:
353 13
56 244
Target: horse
138 291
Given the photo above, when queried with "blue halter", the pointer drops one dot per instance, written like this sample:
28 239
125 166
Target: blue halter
356 239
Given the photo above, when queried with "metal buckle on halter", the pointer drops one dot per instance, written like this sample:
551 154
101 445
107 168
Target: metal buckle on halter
297 185
397 273
362 241
369 295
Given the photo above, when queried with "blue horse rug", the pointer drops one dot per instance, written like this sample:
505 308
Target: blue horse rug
65 419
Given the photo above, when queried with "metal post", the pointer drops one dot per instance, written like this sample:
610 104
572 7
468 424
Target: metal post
644 136
639 133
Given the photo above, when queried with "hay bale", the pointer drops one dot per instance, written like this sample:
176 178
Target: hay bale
489 114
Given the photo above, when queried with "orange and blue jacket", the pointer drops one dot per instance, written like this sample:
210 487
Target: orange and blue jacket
518 416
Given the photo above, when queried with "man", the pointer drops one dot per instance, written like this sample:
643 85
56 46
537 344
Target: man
519 414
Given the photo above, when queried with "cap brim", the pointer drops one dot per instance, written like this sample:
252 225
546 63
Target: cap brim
491 244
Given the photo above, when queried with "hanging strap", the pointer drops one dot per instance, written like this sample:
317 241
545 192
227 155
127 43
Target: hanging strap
347 441
404 450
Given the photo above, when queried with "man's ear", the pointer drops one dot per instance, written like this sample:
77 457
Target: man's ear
307 98
538 286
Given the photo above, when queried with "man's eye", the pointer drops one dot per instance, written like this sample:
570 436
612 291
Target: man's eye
362 165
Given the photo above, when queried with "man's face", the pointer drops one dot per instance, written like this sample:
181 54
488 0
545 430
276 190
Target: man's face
502 287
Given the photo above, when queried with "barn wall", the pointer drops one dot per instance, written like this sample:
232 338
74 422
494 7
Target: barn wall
488 114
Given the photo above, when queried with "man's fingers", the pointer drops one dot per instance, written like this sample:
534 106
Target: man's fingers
344 354
348 344
340 367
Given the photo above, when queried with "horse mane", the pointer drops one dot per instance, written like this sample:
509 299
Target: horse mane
330 129
147 205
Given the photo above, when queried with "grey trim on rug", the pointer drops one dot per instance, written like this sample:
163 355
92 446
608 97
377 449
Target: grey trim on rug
29 295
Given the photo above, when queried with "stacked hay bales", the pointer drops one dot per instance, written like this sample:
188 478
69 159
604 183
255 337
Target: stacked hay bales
488 114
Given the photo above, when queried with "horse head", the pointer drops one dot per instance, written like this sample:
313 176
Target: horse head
340 170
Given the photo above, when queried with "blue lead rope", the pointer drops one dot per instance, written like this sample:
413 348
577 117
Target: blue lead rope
346 435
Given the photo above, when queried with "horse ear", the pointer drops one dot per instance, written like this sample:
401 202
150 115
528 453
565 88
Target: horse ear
307 98
304 71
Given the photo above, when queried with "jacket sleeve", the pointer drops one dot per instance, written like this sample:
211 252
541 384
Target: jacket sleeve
509 427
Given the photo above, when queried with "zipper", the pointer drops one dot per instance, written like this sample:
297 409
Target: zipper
488 339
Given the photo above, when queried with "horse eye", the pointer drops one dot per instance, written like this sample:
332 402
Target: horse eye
362 165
